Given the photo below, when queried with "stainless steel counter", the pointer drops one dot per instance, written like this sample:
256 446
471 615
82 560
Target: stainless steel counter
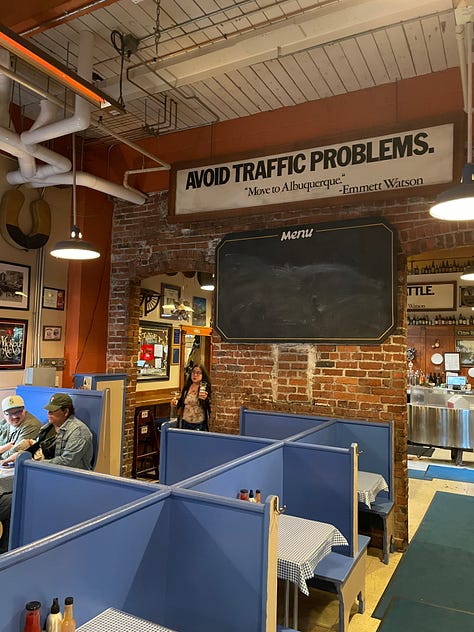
441 427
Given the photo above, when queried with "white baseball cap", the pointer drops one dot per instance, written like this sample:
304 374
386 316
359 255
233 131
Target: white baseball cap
12 401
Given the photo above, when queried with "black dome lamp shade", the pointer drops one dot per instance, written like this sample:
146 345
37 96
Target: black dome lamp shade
74 248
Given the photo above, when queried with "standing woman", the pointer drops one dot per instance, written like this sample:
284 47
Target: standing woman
195 401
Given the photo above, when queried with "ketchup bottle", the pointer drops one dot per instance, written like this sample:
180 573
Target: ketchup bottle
32 618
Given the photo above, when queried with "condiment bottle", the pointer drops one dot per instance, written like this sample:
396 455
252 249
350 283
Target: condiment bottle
252 497
68 623
54 620
32 618
257 496
244 494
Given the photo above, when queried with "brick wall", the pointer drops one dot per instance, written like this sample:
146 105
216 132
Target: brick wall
352 381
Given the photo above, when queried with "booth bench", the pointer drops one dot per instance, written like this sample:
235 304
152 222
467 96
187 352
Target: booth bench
375 447
190 562
315 483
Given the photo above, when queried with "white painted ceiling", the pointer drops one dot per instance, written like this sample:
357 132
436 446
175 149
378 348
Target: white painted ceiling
189 63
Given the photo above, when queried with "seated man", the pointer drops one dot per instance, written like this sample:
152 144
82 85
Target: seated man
72 447
18 425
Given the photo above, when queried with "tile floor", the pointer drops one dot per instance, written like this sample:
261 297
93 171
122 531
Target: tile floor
319 611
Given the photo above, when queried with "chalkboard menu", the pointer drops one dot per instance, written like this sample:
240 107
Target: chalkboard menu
325 283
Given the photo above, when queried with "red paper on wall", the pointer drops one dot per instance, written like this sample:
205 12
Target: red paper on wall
146 352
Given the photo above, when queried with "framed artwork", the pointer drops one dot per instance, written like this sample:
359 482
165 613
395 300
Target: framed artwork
13 343
14 286
175 359
176 336
170 299
466 296
52 332
199 314
54 298
465 350
154 341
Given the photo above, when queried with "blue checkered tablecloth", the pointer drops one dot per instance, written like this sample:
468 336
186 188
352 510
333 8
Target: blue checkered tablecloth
302 544
369 485
112 620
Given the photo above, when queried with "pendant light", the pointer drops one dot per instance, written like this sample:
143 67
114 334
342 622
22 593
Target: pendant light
206 281
75 248
457 204
468 274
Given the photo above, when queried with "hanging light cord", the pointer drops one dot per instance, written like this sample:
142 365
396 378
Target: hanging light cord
469 91
75 232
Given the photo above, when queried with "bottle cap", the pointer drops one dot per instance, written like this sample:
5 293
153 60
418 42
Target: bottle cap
68 601
33 605
55 606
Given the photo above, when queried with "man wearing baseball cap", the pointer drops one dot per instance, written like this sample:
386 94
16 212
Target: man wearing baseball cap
64 440
73 446
18 424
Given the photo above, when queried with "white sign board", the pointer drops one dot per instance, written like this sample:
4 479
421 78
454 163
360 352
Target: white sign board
431 296
393 162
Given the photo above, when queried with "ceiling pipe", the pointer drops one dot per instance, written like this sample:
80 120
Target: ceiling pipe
92 182
57 170
81 118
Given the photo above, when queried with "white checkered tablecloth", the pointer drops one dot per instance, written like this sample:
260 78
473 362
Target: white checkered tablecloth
112 620
302 544
369 486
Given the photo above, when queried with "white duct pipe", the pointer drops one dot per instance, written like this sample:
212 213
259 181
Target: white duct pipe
57 170
92 182
46 115
81 118
5 88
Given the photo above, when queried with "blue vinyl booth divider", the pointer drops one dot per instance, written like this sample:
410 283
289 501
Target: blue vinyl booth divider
375 446
374 440
275 425
89 407
184 453
188 561
314 482
48 498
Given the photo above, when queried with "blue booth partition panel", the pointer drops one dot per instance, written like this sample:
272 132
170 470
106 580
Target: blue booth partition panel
88 405
314 482
320 483
184 453
261 470
191 562
374 440
48 498
275 425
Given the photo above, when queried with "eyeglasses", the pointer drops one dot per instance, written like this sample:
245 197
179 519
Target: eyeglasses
13 413
196 372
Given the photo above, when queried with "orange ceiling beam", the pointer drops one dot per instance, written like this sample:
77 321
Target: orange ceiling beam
34 16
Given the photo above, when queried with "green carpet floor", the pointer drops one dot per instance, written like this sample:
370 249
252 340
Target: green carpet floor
410 616
438 565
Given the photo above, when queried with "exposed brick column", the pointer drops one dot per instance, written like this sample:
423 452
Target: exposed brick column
352 381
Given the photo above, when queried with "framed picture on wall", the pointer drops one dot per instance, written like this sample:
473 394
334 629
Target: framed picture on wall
465 350
14 286
54 298
52 332
199 314
175 358
13 343
466 296
170 298
154 351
